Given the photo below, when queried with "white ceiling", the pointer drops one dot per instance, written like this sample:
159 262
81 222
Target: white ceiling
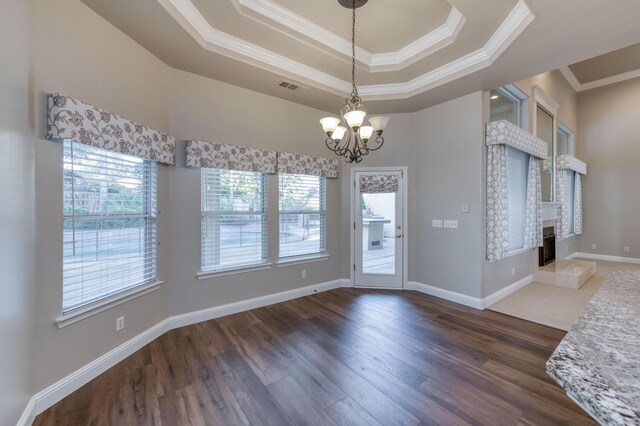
409 57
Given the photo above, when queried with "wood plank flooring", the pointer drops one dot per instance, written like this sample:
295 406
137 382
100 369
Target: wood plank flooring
346 357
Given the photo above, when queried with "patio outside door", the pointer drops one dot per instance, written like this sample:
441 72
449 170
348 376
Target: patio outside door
379 228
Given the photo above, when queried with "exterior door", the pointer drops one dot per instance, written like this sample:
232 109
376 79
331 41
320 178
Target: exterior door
379 228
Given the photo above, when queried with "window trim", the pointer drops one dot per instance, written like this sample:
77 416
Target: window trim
571 147
297 260
206 273
513 93
322 211
232 270
101 305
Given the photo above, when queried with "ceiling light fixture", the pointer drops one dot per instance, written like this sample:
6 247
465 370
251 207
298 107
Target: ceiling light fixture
351 140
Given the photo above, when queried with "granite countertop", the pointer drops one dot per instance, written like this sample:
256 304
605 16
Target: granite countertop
598 362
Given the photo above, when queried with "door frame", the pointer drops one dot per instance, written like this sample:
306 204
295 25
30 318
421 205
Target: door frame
405 220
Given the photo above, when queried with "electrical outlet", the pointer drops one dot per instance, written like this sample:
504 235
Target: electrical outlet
451 224
304 274
119 323
513 271
593 246
626 249
436 223
465 208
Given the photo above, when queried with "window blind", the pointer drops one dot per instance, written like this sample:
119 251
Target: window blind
517 170
109 223
302 215
234 219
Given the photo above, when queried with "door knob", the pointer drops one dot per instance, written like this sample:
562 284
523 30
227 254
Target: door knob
398 226
398 235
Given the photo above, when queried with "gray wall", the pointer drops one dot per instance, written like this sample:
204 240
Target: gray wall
448 158
16 209
78 53
610 144
209 110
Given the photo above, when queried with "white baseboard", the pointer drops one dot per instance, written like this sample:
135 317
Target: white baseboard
463 299
449 295
246 305
67 385
594 256
511 288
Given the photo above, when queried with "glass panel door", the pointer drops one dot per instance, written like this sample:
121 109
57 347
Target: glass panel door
379 229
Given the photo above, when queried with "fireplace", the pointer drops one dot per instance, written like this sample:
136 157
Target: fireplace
547 253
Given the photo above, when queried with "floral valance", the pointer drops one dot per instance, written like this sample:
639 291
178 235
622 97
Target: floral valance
75 120
307 165
378 184
569 162
505 133
219 156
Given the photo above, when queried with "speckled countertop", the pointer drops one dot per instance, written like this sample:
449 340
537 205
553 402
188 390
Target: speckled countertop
598 362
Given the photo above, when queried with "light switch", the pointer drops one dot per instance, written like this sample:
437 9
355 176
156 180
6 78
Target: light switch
465 208
451 224
436 223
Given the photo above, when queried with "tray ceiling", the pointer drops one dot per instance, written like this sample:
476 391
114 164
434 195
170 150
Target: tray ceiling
402 52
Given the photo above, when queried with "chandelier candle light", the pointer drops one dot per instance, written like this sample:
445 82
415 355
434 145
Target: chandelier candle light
352 141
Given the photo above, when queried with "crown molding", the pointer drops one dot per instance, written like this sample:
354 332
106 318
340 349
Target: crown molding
581 87
188 16
571 78
284 20
213 40
441 37
516 22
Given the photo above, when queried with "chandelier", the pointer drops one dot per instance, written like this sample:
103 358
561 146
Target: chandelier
353 139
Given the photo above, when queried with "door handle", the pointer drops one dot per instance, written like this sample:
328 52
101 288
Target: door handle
398 226
398 235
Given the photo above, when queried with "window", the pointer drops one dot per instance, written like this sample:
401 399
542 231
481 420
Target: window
302 215
517 172
565 140
109 224
234 219
570 176
508 103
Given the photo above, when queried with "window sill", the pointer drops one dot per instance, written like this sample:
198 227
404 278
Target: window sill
102 305
203 275
289 261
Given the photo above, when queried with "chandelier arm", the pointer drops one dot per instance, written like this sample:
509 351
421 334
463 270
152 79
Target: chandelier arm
329 142
380 141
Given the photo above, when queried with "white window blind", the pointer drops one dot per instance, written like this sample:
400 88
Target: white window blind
302 215
571 184
234 219
109 224
517 171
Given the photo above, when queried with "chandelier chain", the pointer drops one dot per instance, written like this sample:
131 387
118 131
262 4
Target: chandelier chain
353 50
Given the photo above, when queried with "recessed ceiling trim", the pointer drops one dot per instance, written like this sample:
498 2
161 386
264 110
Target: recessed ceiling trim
188 16
213 40
581 87
284 20
516 22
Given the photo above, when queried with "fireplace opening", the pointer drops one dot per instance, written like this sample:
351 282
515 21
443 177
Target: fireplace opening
547 253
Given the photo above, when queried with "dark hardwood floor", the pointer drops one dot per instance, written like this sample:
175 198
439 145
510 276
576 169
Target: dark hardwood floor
342 357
